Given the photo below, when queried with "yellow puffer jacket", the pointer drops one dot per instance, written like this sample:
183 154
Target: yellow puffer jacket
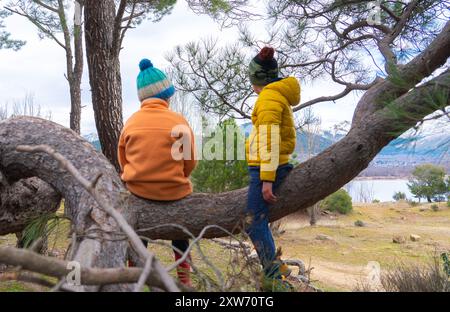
273 136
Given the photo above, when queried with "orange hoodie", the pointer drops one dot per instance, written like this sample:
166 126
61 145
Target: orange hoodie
147 142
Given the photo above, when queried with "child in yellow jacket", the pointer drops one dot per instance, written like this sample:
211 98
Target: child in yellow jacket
150 167
269 148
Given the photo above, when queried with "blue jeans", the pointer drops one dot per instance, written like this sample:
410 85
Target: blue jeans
259 230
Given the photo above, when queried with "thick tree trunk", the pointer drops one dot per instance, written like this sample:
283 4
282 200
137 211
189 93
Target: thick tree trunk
104 74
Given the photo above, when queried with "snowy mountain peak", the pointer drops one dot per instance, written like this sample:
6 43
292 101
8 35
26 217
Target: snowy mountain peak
91 137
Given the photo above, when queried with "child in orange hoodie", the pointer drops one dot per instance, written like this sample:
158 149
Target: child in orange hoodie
150 168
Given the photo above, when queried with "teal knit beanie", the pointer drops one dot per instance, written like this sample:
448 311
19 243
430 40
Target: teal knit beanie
153 83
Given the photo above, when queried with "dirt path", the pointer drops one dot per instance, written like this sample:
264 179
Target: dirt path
348 255
340 276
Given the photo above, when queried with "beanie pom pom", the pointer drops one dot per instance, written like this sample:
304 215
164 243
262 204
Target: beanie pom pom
145 64
266 54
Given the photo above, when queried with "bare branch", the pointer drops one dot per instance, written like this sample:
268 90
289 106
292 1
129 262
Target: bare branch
385 42
133 16
385 29
321 99
46 6
403 20
128 25
31 261
118 26
391 14
145 274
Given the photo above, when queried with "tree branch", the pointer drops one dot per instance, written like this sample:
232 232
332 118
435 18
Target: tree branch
53 267
390 13
130 20
362 24
46 6
38 25
385 42
423 65
118 26
402 22
322 99
133 16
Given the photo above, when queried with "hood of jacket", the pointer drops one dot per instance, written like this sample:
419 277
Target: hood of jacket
287 87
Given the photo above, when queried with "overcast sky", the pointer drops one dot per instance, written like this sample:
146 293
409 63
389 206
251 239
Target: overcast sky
39 67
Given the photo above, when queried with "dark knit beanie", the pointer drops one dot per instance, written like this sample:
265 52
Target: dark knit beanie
263 69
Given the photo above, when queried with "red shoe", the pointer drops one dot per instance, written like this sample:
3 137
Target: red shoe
184 270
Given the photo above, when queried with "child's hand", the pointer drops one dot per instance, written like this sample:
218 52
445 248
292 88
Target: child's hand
268 193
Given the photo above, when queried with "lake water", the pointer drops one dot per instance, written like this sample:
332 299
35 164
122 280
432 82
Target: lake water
381 189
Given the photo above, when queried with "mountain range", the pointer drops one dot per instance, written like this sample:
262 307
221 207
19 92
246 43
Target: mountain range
424 145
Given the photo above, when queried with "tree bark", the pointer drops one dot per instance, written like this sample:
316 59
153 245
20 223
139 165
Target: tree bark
75 106
24 201
104 74
76 70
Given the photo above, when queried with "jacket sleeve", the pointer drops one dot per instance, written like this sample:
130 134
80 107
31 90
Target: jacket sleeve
269 118
121 152
189 164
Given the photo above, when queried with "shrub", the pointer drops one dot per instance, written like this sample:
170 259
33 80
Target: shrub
399 196
448 202
445 258
435 207
359 223
376 201
413 278
416 278
221 175
412 203
428 181
339 201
